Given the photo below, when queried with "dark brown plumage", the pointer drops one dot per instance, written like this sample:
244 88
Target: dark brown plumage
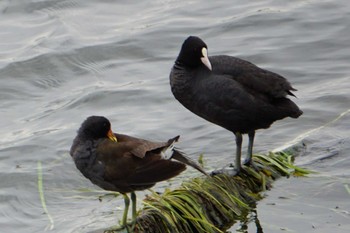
122 163
230 92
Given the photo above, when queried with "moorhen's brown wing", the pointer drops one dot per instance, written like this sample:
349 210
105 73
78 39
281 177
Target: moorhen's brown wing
141 146
126 172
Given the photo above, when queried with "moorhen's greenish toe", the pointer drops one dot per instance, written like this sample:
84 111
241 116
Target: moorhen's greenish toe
230 92
122 163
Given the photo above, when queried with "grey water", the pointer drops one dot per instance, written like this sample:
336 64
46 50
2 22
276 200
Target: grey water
63 60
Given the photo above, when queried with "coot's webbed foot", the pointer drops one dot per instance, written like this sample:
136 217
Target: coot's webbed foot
229 171
249 163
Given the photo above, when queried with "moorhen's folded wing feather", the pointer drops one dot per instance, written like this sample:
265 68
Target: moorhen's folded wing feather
155 171
125 170
141 146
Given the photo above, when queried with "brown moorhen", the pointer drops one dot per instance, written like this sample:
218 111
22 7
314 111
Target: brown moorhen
122 163
230 92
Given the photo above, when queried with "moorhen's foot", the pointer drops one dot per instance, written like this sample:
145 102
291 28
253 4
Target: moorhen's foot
129 227
118 228
229 171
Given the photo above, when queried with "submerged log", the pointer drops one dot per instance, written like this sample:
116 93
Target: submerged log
213 204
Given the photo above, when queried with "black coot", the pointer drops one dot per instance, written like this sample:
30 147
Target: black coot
122 163
230 92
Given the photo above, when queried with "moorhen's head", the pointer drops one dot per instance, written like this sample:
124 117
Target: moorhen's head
193 53
96 127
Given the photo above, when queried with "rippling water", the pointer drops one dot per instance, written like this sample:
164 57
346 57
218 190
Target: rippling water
61 61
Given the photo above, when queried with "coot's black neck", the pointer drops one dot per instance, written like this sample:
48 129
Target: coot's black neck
179 65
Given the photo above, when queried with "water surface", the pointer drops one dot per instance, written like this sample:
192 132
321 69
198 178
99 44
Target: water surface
61 61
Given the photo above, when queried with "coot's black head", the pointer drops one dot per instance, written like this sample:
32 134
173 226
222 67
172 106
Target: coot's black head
96 127
194 53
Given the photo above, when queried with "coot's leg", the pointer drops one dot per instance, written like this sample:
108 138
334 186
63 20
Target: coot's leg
238 151
248 160
233 170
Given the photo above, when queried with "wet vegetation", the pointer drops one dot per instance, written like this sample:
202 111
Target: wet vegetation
213 204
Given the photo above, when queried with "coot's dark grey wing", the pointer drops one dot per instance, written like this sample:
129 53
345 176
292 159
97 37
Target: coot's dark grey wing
251 76
225 102
220 93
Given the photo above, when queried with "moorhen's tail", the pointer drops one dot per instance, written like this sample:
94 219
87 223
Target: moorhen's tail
177 155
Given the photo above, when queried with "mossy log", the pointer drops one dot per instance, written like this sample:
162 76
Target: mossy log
213 204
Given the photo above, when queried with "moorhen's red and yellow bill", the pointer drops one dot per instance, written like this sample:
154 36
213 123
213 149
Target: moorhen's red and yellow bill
122 163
